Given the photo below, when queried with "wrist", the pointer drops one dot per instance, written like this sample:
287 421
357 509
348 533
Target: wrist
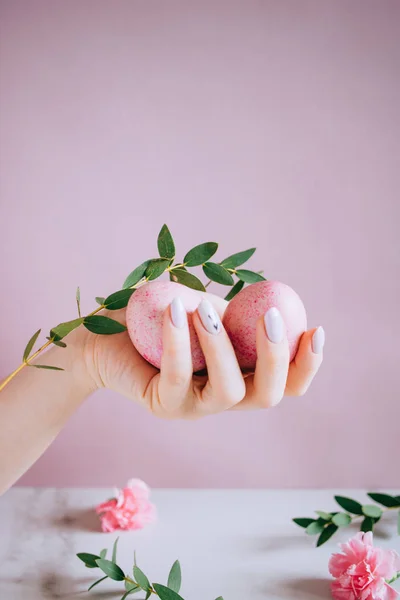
73 361
80 360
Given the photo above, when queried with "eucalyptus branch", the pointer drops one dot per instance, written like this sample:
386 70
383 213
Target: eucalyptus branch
149 270
327 523
139 582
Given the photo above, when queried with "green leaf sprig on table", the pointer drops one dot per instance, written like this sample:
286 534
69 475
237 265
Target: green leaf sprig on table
225 273
138 582
327 523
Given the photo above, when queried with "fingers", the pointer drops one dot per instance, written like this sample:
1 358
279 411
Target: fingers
306 362
178 391
225 386
176 362
267 387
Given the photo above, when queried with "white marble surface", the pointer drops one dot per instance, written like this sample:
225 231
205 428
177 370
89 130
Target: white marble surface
238 544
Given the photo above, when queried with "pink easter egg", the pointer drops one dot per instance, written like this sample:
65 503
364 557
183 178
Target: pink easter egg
248 305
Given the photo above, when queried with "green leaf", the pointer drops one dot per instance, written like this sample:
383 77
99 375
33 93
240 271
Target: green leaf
30 345
377 519
351 506
141 578
111 569
219 598
371 510
165 593
217 273
103 325
63 329
315 527
57 343
327 533
188 279
47 367
235 290
88 559
118 299
324 515
130 587
200 254
78 300
394 578
103 553
341 519
100 300
385 500
136 275
249 276
156 267
237 259
165 243
398 523
367 524
175 577
148 594
114 550
97 582
303 522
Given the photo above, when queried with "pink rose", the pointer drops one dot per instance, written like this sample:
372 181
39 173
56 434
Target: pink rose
130 509
362 571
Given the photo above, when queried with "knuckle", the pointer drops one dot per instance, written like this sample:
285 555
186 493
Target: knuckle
176 379
173 352
278 362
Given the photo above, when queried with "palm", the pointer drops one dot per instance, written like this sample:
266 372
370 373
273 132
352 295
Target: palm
174 392
120 367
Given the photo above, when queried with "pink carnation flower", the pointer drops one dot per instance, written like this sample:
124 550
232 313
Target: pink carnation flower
130 509
362 571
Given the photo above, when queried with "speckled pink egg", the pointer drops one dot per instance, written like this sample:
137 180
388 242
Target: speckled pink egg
144 319
247 306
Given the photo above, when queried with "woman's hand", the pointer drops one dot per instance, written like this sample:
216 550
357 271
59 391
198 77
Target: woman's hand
174 392
36 404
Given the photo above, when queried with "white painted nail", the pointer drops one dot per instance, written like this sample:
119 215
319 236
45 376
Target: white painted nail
274 325
209 317
178 313
318 340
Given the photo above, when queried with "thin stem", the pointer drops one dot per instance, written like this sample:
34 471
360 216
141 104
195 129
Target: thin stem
24 364
11 376
208 283
178 266
27 362
129 580
383 511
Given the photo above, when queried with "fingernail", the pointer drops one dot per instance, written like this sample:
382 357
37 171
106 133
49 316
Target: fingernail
178 313
318 340
274 325
209 317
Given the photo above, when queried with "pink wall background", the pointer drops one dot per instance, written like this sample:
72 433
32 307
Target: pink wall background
266 123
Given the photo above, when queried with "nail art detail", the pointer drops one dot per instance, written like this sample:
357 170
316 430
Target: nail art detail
274 325
209 317
318 340
178 313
